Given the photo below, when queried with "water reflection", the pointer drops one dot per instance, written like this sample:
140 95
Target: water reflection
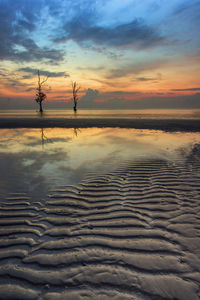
76 131
67 155
44 138
41 114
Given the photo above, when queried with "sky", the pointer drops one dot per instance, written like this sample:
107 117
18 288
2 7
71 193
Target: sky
123 54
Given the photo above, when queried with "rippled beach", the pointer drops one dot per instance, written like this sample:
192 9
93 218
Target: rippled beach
99 213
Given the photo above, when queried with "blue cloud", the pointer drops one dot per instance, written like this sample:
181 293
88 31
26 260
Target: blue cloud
135 33
43 72
29 27
18 20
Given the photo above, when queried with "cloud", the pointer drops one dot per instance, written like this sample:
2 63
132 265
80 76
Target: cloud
14 84
134 34
93 99
183 90
145 79
43 72
117 100
30 89
137 68
18 20
100 68
157 78
30 26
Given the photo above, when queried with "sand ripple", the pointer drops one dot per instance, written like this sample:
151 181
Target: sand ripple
133 233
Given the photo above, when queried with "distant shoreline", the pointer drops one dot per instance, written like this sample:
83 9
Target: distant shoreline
156 124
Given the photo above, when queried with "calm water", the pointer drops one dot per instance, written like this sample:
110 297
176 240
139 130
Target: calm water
136 114
35 161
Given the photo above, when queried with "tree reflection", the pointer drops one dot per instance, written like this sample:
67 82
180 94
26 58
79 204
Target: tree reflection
41 114
76 132
44 138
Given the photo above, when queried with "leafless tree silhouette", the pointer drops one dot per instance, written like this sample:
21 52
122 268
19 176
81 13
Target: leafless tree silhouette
40 95
75 89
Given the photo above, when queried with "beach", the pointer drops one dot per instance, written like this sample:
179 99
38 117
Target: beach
95 211
99 150
156 124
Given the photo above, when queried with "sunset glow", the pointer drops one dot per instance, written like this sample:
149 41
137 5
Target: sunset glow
118 51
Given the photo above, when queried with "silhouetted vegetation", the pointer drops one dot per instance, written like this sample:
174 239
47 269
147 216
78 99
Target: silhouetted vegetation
40 95
75 89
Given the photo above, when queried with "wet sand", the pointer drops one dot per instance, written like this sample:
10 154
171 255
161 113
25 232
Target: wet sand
157 124
130 233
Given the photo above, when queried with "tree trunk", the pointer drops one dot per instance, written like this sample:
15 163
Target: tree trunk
41 109
75 107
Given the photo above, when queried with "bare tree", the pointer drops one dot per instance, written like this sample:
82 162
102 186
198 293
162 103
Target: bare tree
40 95
75 89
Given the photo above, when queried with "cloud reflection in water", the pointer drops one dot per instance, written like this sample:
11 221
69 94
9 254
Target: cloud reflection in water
35 161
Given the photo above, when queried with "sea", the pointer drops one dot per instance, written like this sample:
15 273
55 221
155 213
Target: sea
131 114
